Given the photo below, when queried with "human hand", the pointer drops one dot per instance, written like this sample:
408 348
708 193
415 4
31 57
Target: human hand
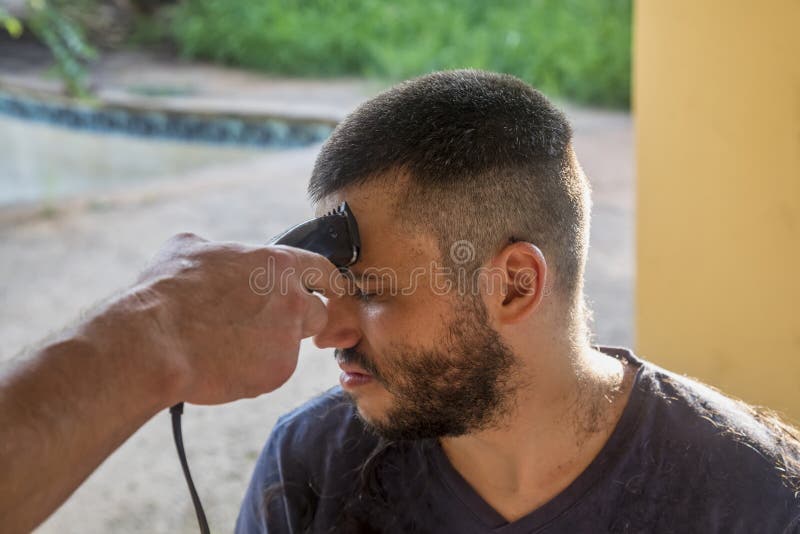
218 337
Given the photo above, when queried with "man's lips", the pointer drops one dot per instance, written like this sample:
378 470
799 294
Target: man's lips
353 376
352 369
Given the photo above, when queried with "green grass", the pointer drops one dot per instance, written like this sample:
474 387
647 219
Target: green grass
574 49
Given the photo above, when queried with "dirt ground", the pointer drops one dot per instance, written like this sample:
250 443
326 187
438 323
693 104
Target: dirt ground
54 265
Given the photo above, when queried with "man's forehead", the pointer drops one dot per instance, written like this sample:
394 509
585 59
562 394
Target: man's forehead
372 196
382 190
387 240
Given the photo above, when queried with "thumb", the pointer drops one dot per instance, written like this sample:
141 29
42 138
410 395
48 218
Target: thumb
315 318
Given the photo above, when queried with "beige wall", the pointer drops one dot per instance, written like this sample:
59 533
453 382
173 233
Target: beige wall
717 108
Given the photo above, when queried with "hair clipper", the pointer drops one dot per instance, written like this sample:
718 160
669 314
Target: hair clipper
333 235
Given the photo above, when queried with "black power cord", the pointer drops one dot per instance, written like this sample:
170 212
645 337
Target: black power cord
335 236
176 412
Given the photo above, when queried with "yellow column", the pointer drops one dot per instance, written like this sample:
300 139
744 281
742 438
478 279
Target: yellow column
717 108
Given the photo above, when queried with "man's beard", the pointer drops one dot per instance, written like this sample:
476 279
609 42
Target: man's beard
464 385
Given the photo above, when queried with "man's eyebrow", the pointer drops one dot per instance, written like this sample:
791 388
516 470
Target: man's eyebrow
354 275
358 275
371 273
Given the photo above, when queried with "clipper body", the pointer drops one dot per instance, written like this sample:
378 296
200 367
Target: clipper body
334 235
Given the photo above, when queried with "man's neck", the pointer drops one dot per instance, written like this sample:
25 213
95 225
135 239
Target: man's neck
559 423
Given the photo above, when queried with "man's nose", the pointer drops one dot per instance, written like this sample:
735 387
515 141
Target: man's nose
342 330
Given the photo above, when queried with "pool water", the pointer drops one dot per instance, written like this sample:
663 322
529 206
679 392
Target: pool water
45 163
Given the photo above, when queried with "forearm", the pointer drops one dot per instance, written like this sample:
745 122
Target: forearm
67 406
193 329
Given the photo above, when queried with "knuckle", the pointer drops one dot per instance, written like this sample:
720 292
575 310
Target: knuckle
179 246
186 237
281 258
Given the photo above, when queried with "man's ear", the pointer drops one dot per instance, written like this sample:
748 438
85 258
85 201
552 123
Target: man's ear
519 274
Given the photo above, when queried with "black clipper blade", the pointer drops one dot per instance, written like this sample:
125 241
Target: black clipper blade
334 235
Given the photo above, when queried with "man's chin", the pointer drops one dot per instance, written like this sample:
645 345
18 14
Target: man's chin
372 405
379 421
385 416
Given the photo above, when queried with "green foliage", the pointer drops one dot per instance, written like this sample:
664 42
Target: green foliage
11 24
64 38
66 41
576 49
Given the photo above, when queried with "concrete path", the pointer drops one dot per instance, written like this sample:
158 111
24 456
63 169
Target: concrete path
53 267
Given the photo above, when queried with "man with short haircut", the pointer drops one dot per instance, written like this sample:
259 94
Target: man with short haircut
472 399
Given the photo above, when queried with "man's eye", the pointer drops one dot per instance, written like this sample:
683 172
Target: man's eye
364 296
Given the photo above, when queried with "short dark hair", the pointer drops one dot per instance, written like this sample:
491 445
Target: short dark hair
487 158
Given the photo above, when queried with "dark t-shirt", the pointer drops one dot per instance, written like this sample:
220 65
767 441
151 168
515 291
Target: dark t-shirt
683 458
